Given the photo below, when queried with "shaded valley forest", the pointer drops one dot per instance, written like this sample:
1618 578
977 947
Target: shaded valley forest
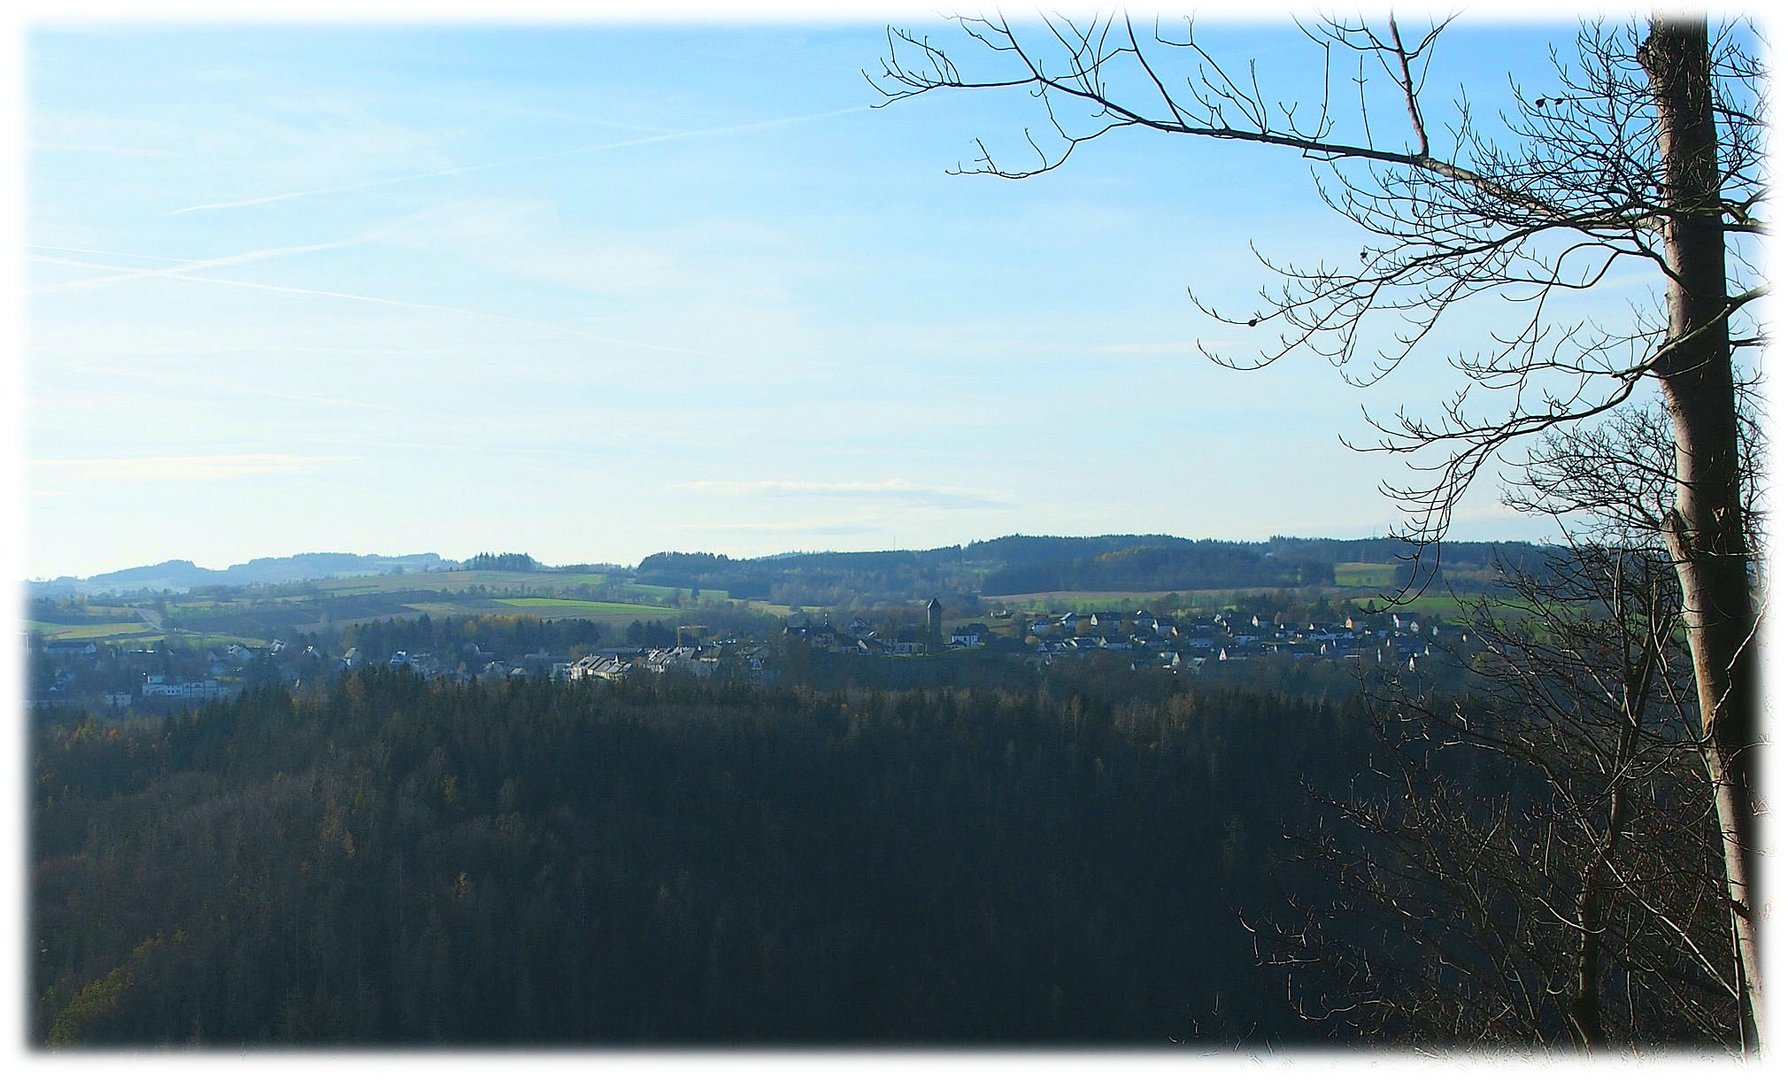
1078 858
668 862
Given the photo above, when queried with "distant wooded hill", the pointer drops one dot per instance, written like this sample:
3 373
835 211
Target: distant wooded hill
181 575
1003 567
1030 564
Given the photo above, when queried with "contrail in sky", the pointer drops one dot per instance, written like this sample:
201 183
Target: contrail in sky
558 328
190 467
180 268
182 272
733 129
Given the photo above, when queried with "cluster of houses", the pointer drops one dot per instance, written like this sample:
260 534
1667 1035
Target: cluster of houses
223 668
701 661
1159 641
160 686
861 638
612 664
116 676
88 672
1145 639
99 672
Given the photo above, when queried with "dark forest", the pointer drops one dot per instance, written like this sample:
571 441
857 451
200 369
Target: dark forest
667 862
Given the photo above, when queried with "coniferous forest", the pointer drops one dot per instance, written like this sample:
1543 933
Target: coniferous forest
669 862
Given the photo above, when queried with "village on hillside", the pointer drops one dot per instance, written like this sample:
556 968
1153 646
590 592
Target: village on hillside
111 677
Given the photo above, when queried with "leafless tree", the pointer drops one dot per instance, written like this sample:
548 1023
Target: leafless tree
1644 152
1615 480
1533 860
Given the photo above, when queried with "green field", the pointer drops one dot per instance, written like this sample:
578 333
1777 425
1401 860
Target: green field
53 631
661 592
553 607
1439 604
456 581
1190 601
1087 601
449 609
1373 575
137 635
195 640
255 612
262 612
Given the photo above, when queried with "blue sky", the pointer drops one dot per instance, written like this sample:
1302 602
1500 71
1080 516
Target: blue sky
594 290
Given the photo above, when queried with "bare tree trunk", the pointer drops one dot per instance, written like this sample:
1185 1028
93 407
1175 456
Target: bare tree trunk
1585 1016
1640 664
1705 532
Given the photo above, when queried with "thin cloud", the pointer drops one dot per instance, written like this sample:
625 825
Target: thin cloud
790 528
175 274
122 151
457 170
895 489
1149 348
177 267
181 469
181 268
100 251
212 382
